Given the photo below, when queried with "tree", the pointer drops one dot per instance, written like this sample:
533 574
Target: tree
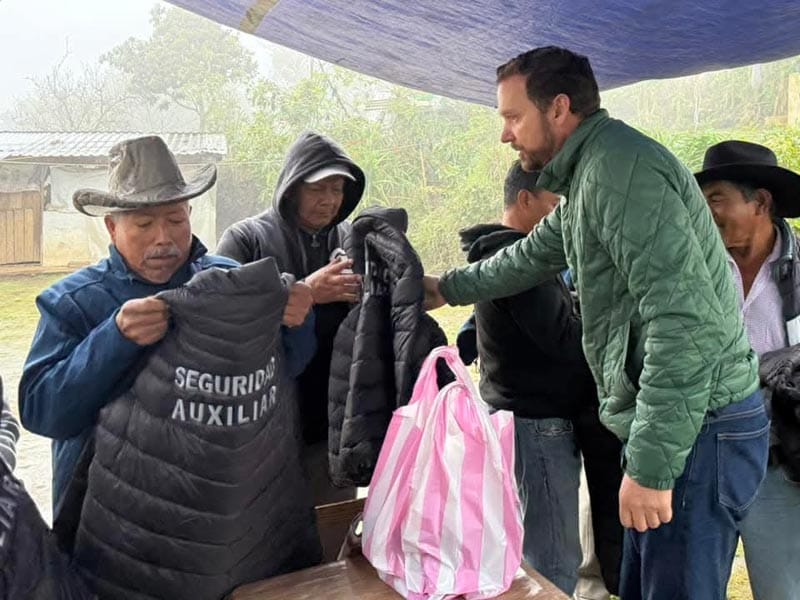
752 96
190 62
93 99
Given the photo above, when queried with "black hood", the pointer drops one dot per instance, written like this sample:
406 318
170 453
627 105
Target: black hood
310 152
480 241
396 217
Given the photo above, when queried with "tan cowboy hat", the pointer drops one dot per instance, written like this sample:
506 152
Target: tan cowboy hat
143 172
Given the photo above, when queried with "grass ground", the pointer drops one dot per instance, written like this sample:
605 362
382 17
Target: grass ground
18 318
18 314
451 318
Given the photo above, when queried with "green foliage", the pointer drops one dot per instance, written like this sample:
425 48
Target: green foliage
746 97
187 61
690 146
439 159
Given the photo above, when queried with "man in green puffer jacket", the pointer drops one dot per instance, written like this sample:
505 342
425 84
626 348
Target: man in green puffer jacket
663 335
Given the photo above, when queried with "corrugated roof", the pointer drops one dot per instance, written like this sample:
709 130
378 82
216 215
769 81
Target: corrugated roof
94 145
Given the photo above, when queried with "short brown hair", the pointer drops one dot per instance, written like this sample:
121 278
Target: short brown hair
550 71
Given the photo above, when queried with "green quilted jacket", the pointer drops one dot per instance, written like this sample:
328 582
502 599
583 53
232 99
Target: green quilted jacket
662 329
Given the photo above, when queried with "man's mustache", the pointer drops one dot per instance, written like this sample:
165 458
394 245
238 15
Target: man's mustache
169 252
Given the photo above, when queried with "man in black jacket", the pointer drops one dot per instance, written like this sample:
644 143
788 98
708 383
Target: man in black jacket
305 230
532 363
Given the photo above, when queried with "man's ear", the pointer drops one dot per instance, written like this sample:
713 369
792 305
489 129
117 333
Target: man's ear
764 199
111 227
560 107
524 198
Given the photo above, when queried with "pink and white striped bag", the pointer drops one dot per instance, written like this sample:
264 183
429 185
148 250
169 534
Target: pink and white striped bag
443 518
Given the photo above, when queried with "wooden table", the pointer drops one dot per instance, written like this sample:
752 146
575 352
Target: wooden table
355 578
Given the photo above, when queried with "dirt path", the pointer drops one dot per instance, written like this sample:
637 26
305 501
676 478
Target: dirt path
33 451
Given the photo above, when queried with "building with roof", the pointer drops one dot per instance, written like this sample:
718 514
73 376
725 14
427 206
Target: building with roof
39 171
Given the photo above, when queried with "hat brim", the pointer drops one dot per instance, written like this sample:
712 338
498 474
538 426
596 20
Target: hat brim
783 184
326 172
97 203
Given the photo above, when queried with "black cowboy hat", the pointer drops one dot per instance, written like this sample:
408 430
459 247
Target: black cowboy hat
143 172
755 165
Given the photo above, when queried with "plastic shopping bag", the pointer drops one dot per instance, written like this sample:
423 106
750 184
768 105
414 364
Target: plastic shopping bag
443 516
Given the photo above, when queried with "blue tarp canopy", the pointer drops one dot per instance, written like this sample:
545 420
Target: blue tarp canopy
452 47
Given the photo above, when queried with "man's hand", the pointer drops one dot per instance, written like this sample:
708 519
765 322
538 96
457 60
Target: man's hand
433 297
643 508
300 302
143 321
330 284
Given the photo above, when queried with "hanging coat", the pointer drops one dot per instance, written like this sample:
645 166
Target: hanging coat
379 347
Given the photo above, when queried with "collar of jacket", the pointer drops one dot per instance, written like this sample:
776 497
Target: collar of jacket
121 270
480 241
557 174
786 273
782 268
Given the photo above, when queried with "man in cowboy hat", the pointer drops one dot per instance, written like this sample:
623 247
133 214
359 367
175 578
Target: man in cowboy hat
750 196
97 324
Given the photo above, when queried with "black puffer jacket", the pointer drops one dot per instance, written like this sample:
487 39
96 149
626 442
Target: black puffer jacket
275 233
196 486
531 358
380 347
780 376
31 565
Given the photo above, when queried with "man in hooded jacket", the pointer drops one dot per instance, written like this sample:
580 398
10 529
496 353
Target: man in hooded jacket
318 187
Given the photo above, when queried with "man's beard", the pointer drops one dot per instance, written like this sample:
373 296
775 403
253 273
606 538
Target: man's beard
530 163
536 161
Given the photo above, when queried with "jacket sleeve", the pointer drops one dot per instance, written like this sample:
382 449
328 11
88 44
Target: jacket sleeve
651 239
513 269
69 377
299 345
467 341
545 315
236 245
9 432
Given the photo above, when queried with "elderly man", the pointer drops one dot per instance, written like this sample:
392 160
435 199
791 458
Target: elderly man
662 332
98 324
750 196
305 230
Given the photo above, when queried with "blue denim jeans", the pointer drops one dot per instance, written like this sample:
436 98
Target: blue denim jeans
771 538
548 467
690 558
